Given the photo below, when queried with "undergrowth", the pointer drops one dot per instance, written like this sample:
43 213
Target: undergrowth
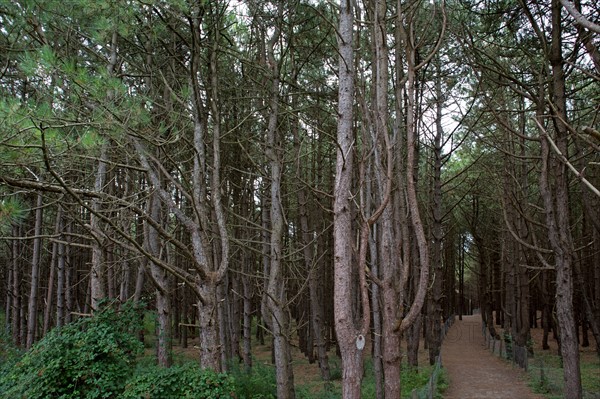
546 376
100 357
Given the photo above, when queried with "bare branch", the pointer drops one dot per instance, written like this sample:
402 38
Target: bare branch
566 161
579 18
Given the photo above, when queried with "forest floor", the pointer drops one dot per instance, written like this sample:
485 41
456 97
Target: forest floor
473 372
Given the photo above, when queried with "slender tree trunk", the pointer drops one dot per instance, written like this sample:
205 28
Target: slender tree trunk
32 315
276 287
556 204
53 266
435 301
161 283
98 265
60 280
68 278
247 323
377 350
17 316
411 174
350 338
313 266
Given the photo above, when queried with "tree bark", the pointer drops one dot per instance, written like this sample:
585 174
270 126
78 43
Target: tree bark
53 266
435 301
350 338
161 283
276 287
556 204
32 315
17 316
98 266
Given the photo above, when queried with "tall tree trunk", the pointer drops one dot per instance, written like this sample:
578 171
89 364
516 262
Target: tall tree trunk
98 265
161 283
389 254
416 221
247 323
377 330
435 301
556 204
276 287
53 266
17 316
351 339
312 263
32 315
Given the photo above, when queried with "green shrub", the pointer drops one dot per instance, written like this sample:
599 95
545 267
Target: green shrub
90 358
9 356
257 383
186 381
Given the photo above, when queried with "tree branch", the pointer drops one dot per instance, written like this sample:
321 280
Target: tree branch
564 159
579 18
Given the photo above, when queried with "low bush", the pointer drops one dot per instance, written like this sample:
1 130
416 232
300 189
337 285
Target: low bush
185 381
257 383
90 358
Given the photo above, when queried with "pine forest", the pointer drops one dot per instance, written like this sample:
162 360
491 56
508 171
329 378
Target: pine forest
207 198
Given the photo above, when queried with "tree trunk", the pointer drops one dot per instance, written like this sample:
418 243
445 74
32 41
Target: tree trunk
161 283
350 338
556 204
60 278
17 316
434 313
32 315
53 266
210 351
247 323
98 265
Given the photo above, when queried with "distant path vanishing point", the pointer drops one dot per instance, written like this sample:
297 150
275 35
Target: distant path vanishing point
474 372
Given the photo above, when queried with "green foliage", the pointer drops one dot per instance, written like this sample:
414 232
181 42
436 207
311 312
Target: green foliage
90 358
412 378
12 211
335 369
258 383
9 353
442 383
185 381
546 376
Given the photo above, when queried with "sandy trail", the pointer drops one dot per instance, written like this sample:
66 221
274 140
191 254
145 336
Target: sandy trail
474 372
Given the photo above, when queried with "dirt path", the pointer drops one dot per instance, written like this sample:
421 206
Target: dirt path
474 372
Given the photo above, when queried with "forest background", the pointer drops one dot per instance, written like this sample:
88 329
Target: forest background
335 174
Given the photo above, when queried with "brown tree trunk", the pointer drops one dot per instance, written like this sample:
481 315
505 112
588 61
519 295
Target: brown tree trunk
350 338
32 315
60 276
161 283
434 313
276 287
556 204
17 316
210 352
377 329
98 264
53 266
247 323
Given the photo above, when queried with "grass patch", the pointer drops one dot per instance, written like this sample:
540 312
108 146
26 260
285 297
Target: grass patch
411 379
546 376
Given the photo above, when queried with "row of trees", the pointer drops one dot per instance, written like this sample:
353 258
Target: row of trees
333 174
